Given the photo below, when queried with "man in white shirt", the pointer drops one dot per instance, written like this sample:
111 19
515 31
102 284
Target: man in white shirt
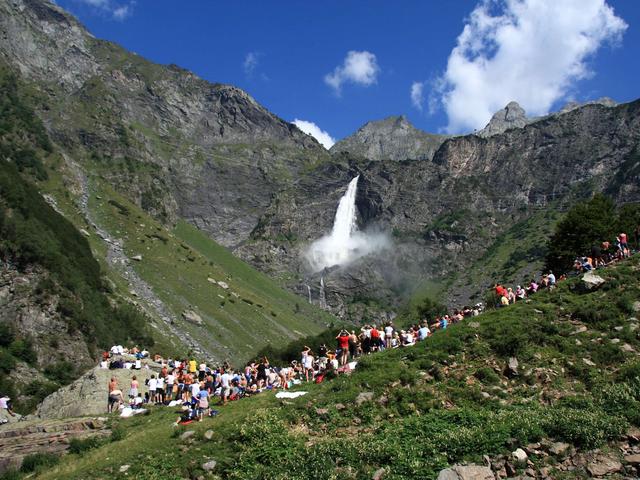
152 388
225 383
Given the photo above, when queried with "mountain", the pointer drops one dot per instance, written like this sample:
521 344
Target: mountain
393 138
98 159
179 148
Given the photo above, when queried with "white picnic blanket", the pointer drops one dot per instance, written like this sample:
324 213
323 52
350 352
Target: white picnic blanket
290 394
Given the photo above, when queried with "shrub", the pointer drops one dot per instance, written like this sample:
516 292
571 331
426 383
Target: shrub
81 445
37 461
487 376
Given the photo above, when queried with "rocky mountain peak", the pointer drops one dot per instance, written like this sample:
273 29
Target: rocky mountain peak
604 101
392 138
511 116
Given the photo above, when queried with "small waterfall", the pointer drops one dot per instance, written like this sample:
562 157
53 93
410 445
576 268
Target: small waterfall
323 298
309 292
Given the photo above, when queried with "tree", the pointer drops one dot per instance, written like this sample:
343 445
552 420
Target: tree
586 224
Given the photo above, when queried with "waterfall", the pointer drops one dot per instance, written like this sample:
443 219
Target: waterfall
309 292
344 222
337 247
323 298
345 243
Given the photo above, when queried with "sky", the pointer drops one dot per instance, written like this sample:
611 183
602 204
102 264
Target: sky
332 66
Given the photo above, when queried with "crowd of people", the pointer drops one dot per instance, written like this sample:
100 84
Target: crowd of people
194 386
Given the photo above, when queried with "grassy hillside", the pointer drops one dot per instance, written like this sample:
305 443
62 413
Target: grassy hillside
444 401
181 266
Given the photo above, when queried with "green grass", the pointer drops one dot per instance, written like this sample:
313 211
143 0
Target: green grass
428 409
253 312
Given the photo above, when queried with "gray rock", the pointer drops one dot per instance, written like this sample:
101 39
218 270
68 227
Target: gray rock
473 472
559 449
124 468
519 456
187 435
364 397
588 362
633 459
592 281
137 258
378 474
209 466
512 367
193 317
511 116
448 474
208 435
636 306
602 465
393 138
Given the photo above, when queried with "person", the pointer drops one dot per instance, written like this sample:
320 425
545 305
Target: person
133 388
160 389
203 402
169 381
152 383
552 280
520 293
388 334
115 399
343 344
5 404
225 386
307 362
624 245
423 332
192 366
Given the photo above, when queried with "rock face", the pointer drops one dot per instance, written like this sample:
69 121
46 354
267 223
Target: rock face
179 146
27 438
511 116
466 472
393 138
88 394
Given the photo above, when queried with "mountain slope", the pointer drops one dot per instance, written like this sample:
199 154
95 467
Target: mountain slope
411 412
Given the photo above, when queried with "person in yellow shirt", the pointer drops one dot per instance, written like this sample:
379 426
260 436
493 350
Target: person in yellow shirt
192 366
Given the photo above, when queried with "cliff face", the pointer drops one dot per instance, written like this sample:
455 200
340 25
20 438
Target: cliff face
181 147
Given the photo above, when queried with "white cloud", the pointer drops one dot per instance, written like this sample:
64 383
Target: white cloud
417 97
360 68
122 12
316 132
250 63
530 51
116 9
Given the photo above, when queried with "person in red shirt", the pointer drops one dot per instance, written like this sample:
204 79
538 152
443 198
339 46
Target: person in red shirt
343 343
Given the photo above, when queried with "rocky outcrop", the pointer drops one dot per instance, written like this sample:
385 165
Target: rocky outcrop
88 394
393 138
52 437
511 116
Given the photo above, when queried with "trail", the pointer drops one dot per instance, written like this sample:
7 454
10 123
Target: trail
118 261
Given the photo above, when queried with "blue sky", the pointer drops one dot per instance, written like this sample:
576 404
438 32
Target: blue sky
340 64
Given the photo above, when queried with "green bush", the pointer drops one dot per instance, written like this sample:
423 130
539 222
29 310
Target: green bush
7 361
487 376
38 461
82 445
22 349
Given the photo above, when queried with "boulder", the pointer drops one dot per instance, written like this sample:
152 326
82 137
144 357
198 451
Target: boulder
592 281
512 367
208 435
364 397
88 394
559 449
223 285
519 456
588 362
187 435
473 472
209 466
378 474
137 258
633 459
193 317
448 474
636 306
602 465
